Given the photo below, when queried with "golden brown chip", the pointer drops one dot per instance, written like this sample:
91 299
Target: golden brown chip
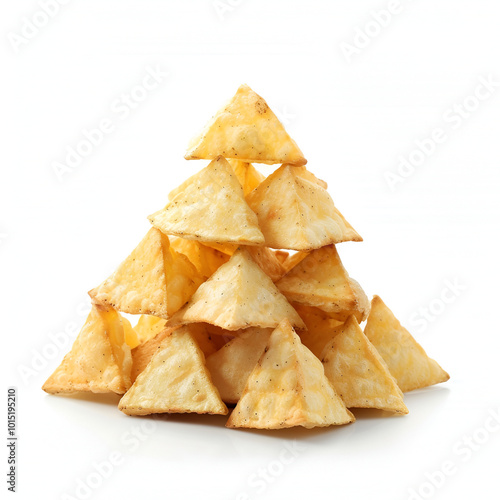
297 214
238 295
358 372
231 365
321 328
281 255
405 357
206 260
210 208
100 359
153 279
247 174
246 129
175 381
288 387
320 280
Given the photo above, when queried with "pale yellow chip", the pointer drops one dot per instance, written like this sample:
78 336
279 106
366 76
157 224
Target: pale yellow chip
176 380
149 327
288 387
267 261
100 359
305 174
320 280
153 279
143 353
297 214
246 129
358 373
405 357
321 328
238 295
211 208
231 365
247 174
206 260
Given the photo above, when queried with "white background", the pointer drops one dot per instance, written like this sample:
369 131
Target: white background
352 119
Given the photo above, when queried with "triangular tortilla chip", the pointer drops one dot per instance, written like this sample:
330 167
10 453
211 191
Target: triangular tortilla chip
358 372
320 280
175 381
297 214
143 353
246 129
247 174
231 365
100 359
238 295
288 387
212 208
153 279
267 261
321 328
405 357
206 260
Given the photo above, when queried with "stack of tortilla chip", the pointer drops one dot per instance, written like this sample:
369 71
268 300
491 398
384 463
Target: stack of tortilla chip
243 299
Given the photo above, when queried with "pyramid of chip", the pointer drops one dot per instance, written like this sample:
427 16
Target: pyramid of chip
238 296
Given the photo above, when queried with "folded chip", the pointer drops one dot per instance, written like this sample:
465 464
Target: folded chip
320 280
237 296
231 365
176 380
358 373
100 359
405 357
142 354
246 129
211 207
297 214
153 279
288 388
321 328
